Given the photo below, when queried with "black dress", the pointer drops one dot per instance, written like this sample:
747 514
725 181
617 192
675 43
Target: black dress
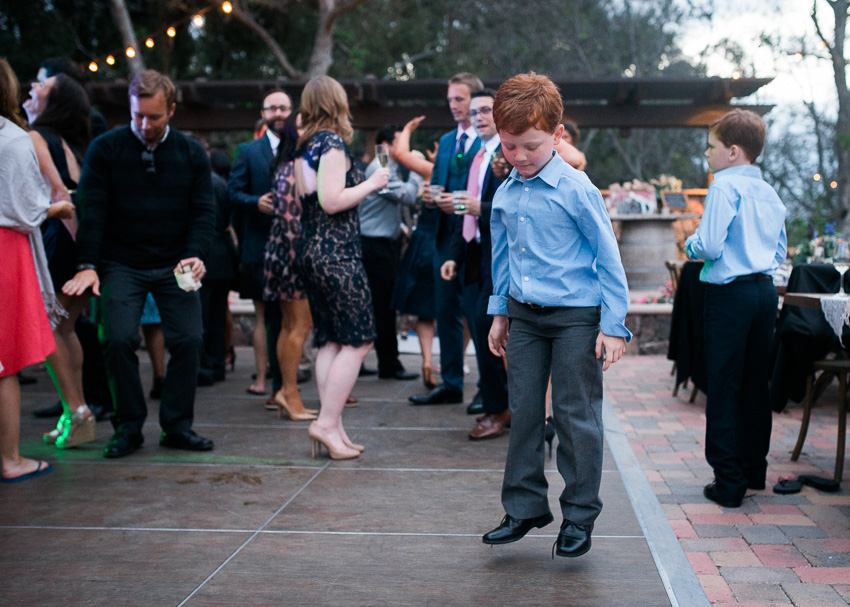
59 245
414 287
328 257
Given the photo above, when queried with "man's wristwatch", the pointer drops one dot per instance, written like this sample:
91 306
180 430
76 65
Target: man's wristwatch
86 266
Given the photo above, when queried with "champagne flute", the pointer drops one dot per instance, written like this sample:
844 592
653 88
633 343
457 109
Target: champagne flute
841 261
383 152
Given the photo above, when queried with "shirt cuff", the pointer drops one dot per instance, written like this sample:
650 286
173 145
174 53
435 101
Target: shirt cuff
497 304
614 328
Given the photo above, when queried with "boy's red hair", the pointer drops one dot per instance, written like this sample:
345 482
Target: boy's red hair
528 101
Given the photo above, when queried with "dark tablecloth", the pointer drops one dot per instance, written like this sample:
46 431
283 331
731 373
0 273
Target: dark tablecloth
802 335
686 347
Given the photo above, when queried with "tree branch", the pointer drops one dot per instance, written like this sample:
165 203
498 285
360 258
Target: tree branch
242 13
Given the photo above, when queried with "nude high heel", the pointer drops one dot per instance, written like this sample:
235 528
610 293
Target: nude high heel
354 446
318 439
82 429
282 406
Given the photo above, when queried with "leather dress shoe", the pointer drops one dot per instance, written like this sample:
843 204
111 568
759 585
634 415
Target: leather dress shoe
573 539
366 371
491 426
475 408
123 443
441 395
398 374
710 492
512 529
303 375
187 440
205 377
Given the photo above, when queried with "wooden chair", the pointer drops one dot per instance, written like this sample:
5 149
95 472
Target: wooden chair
829 368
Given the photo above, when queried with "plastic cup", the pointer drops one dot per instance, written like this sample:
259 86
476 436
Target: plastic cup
460 207
185 280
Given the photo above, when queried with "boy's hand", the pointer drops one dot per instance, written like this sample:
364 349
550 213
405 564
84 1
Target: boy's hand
498 337
448 270
612 348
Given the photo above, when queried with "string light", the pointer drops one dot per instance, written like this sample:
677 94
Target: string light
226 7
171 32
149 43
92 66
816 177
130 52
198 20
736 74
110 60
833 184
798 56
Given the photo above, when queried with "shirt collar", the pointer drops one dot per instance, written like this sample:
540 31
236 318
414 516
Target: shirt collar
550 174
470 132
744 170
491 144
141 138
274 140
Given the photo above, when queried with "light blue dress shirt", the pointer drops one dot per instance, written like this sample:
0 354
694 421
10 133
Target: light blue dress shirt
553 246
742 230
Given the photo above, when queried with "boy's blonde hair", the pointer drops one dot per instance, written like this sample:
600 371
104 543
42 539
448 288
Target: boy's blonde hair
324 107
528 101
743 128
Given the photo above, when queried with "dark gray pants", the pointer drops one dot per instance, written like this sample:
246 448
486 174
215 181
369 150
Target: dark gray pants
123 292
563 341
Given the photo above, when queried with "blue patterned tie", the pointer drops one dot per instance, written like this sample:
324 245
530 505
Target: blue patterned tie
460 148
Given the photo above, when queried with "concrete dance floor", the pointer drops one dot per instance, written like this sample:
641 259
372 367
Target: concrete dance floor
257 522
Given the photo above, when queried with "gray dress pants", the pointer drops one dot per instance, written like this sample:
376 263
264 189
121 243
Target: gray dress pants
563 341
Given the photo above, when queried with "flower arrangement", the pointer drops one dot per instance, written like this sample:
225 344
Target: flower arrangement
632 197
666 295
819 247
667 183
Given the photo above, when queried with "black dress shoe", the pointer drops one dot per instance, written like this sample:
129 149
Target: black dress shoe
122 443
475 408
365 371
187 440
303 375
710 492
398 374
52 411
441 395
512 529
573 539
205 377
101 412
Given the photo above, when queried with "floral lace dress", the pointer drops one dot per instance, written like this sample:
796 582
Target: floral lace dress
282 282
328 256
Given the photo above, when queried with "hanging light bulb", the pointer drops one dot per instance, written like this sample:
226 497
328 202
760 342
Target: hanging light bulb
736 74
110 60
92 66
149 43
226 7
833 184
171 32
130 52
816 177
198 20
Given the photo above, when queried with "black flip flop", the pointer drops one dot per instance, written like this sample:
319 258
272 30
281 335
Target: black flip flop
787 486
820 483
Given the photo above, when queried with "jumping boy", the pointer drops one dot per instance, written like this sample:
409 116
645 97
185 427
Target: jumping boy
742 238
557 274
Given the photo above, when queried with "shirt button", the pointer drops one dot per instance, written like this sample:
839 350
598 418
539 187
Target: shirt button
522 218
526 189
526 279
523 249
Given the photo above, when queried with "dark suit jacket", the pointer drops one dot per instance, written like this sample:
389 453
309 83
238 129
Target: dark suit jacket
440 176
250 178
478 256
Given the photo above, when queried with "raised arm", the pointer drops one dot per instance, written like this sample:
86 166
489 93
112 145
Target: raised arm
412 161
58 191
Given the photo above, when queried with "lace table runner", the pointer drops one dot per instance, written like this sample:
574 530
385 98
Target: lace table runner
836 310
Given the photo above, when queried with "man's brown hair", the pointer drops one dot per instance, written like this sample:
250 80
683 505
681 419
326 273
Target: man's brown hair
743 128
471 80
528 101
149 82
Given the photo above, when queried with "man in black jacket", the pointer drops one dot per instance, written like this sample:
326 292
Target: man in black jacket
147 212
